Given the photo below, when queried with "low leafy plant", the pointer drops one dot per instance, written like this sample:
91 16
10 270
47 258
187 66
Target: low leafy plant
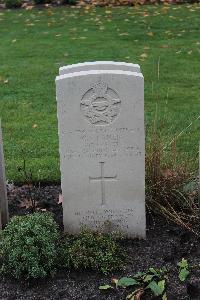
41 2
70 2
13 3
29 246
93 251
183 269
153 280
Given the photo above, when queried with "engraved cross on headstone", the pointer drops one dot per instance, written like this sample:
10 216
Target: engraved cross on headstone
103 179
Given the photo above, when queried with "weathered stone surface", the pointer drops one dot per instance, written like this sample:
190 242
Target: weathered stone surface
3 193
99 65
101 137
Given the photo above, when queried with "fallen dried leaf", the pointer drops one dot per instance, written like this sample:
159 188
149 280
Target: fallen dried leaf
167 173
150 33
114 280
60 199
144 55
124 33
26 203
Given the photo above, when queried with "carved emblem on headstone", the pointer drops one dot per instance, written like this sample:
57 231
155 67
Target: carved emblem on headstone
100 104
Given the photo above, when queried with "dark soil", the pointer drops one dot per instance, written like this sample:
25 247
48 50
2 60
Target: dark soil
166 245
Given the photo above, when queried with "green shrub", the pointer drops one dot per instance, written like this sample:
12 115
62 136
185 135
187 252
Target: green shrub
42 1
29 246
93 251
13 3
70 2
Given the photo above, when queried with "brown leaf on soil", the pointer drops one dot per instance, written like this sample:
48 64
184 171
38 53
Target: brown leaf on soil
26 203
60 199
115 280
41 209
139 294
167 173
136 295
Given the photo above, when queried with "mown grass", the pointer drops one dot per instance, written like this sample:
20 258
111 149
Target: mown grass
164 40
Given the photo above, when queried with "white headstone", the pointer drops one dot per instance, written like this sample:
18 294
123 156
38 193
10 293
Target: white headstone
99 65
102 151
3 192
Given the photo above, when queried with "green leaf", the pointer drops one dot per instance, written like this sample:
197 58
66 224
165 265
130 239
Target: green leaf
105 287
139 274
156 288
183 274
131 296
125 282
164 297
183 263
152 270
148 278
161 285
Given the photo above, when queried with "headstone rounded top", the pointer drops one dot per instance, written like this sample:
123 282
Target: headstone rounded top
99 65
98 72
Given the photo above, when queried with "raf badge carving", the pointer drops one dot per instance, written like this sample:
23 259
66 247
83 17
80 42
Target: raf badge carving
100 105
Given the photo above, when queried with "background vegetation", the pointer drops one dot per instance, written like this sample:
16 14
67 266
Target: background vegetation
164 40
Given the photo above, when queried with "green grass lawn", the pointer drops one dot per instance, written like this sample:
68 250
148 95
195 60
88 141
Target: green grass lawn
164 40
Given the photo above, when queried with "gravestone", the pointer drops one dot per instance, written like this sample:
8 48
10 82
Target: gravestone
3 193
101 144
99 65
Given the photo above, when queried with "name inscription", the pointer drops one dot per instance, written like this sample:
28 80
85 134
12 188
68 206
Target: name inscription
102 143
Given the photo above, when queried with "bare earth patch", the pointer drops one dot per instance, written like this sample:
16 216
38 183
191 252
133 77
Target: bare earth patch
166 245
